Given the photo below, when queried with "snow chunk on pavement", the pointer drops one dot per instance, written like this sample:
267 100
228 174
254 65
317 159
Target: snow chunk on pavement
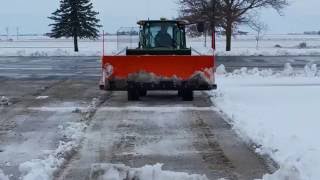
148 172
42 97
3 176
4 101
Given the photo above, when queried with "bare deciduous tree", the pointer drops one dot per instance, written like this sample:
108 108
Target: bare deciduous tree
259 28
226 13
237 11
205 11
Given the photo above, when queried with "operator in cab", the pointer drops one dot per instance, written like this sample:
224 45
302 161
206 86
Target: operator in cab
163 38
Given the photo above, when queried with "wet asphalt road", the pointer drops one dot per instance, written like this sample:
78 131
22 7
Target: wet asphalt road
185 136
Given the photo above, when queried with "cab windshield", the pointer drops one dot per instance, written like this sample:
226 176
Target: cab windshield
163 35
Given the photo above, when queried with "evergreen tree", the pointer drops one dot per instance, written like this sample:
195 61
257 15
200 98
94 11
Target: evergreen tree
76 19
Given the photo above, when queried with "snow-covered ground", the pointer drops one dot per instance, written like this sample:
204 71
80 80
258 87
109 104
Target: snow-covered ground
245 45
279 111
241 45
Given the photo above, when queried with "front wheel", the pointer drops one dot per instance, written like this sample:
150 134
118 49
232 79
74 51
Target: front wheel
187 95
133 95
143 92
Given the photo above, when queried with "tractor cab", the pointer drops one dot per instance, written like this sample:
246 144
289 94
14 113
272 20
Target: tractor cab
161 37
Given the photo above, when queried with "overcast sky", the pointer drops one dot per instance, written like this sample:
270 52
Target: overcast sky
31 15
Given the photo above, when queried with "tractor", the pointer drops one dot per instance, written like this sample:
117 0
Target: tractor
161 61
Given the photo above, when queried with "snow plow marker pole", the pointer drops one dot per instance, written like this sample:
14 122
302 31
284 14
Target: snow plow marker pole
213 53
102 82
103 43
213 43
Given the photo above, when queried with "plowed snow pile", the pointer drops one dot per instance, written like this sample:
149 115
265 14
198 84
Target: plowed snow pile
280 112
120 172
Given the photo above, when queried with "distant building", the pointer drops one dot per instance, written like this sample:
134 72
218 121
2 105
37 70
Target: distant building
241 33
234 33
311 32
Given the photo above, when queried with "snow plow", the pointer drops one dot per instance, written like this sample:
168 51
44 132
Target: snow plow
162 61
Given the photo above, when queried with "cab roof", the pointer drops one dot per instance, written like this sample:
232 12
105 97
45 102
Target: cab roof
179 22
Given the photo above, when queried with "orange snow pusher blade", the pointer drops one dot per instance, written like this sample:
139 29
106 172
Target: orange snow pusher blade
158 72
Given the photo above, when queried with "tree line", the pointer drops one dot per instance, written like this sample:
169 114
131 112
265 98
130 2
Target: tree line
77 19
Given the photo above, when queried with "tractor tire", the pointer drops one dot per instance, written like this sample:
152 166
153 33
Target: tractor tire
133 95
143 92
187 95
102 87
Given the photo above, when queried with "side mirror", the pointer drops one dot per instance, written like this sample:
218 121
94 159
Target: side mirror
200 27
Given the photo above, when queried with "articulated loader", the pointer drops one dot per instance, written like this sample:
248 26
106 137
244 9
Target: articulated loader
161 61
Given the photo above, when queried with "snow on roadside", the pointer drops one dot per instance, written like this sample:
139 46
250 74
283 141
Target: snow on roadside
72 133
148 172
3 176
278 111
250 51
269 52
221 70
40 52
310 70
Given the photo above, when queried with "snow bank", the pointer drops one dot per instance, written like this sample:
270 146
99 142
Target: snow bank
148 172
3 176
310 70
72 135
288 70
250 51
269 52
278 111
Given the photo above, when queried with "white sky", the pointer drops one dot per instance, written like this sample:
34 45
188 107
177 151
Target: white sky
31 15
